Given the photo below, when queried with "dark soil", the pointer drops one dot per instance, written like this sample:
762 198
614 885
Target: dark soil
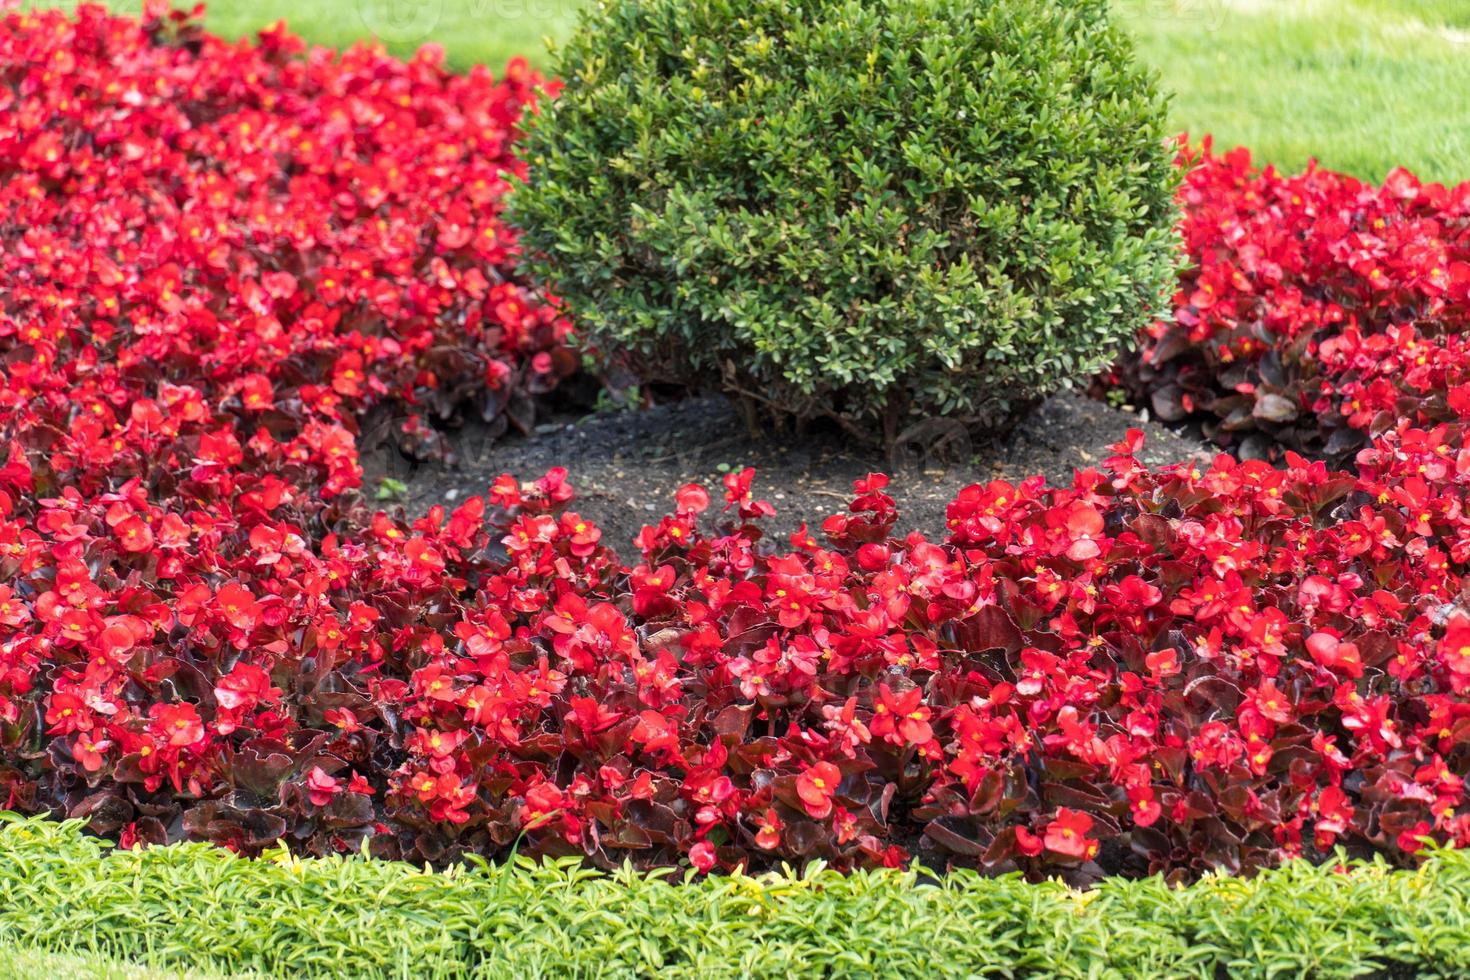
625 466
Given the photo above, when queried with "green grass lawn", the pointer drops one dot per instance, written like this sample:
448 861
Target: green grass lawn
31 964
472 32
1363 85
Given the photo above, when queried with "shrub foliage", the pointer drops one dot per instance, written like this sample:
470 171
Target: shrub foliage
879 212
195 907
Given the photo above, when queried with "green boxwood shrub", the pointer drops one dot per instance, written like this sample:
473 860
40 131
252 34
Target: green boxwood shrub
875 210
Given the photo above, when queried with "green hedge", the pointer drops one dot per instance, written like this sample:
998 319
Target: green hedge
195 907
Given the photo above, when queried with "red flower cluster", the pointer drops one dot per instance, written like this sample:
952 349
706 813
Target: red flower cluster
217 260
1316 311
1179 670
231 252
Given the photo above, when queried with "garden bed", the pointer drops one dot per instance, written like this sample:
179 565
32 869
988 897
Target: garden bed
212 634
639 691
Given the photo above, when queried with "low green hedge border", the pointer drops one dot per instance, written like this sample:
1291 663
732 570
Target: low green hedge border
195 907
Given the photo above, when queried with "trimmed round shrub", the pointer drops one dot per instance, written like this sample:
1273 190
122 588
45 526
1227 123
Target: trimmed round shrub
878 211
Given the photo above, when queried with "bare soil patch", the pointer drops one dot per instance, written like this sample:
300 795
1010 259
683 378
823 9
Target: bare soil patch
625 466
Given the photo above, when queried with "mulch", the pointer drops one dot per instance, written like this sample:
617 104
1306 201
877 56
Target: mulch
626 465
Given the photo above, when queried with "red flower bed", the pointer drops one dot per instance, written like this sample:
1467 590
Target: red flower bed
218 258
203 236
1317 310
